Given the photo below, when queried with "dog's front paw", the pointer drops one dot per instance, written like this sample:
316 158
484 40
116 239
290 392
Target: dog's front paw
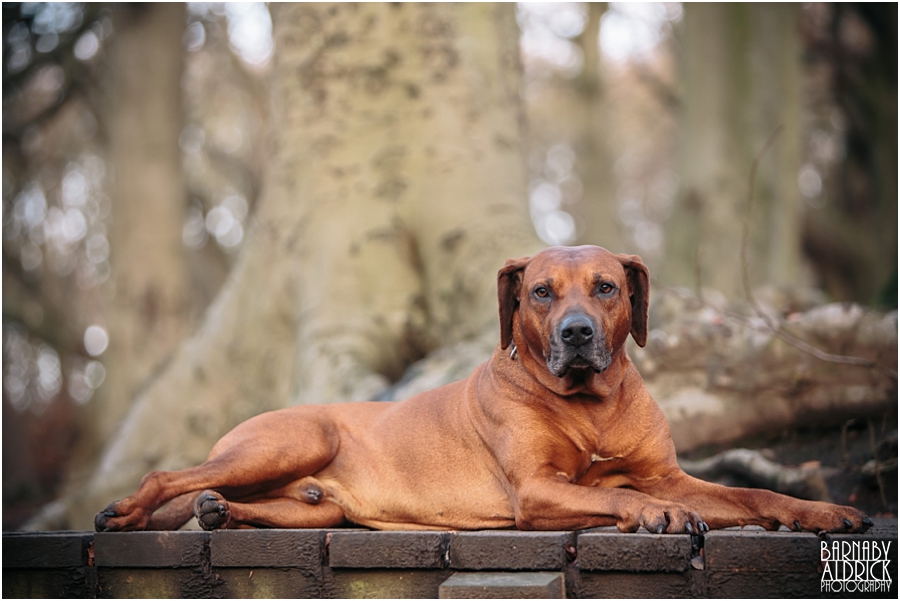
211 510
662 517
824 517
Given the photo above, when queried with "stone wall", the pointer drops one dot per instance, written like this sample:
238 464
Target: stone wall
356 563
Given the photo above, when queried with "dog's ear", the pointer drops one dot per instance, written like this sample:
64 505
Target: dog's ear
509 284
639 289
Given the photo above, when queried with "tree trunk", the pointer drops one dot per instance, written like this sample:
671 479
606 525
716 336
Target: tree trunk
150 309
741 80
412 137
394 193
595 158
573 113
851 235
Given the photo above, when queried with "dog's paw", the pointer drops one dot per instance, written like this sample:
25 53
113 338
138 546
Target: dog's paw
663 517
117 518
825 517
102 521
211 510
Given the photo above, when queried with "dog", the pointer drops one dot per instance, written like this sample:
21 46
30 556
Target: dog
556 431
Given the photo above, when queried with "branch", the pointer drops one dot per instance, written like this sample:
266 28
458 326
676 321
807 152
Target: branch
752 466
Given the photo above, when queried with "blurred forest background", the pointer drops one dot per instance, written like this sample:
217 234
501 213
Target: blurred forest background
212 210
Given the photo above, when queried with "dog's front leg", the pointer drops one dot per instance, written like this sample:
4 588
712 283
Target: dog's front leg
725 506
553 504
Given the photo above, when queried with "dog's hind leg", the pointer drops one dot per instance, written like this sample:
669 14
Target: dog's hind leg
175 514
213 512
260 454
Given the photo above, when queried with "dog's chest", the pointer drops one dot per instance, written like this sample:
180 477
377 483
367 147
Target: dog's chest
605 469
595 458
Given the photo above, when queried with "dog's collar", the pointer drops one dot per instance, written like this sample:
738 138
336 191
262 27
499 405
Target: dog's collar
513 353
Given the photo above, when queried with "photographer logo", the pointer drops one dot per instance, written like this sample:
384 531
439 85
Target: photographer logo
855 566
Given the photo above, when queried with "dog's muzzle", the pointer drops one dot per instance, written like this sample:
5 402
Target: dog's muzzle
577 343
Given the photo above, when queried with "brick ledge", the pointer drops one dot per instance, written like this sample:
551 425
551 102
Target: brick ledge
354 563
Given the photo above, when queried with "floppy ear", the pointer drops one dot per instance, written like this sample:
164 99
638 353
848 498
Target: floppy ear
509 283
639 289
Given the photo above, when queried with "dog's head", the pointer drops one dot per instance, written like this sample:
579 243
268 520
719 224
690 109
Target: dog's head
573 308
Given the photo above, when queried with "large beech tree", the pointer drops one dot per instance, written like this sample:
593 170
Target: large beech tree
394 191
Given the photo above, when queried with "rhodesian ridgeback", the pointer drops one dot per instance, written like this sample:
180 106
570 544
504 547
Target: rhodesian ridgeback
556 431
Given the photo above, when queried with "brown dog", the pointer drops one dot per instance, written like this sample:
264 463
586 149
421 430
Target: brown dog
555 431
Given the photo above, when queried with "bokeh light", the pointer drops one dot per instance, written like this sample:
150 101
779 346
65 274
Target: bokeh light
95 340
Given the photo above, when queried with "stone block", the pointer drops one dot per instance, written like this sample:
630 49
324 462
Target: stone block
268 583
504 585
509 550
762 585
634 552
61 583
364 549
758 551
268 548
385 584
154 583
150 549
640 585
46 549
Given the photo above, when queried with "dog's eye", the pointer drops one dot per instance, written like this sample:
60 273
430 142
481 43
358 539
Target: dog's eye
542 292
605 288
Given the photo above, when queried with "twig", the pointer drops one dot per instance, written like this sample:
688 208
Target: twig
878 477
745 278
844 451
748 322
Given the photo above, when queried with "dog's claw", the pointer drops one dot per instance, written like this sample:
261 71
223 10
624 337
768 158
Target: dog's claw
868 522
797 526
848 523
688 528
704 527
659 529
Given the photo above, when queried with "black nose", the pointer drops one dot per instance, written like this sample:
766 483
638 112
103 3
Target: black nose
576 330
